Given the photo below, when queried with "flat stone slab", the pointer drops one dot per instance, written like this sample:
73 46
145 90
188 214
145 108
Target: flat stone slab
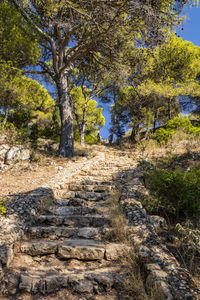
88 232
41 247
70 210
81 249
78 220
92 196
65 231
89 188
115 251
52 231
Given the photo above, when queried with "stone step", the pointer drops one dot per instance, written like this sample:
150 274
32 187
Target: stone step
86 177
54 232
77 202
72 202
114 168
91 180
85 282
79 249
97 173
82 181
71 210
91 196
90 188
76 221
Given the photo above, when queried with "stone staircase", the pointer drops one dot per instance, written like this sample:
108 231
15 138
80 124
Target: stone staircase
65 253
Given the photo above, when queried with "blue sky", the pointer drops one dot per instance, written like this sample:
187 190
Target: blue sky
191 26
190 32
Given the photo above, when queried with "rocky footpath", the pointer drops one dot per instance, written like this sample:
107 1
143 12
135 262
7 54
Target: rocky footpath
53 240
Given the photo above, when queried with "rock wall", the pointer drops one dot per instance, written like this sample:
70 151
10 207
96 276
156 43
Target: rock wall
163 270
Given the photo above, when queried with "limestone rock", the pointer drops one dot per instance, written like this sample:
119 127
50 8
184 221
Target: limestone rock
115 251
17 153
81 249
88 232
25 283
38 248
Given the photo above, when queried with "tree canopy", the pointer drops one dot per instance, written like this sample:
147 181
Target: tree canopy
70 31
167 75
22 93
18 41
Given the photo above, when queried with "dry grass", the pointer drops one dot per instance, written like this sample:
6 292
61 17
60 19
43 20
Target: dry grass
118 220
136 277
134 281
136 272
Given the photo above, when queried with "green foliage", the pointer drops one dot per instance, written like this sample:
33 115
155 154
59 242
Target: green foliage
14 135
163 135
18 41
93 118
23 93
177 122
27 102
166 73
2 208
91 139
174 193
174 61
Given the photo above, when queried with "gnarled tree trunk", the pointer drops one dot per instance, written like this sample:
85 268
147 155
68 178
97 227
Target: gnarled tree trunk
66 147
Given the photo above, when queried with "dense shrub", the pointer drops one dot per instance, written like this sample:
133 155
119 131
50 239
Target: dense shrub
163 135
178 122
174 193
14 136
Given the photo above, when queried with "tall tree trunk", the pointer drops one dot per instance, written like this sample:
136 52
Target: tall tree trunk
169 109
6 114
82 133
66 147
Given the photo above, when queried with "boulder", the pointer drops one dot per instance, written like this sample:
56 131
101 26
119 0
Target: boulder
17 153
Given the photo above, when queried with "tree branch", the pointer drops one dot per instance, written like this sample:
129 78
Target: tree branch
34 72
40 31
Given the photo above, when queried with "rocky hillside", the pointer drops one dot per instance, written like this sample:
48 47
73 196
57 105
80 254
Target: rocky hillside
60 239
